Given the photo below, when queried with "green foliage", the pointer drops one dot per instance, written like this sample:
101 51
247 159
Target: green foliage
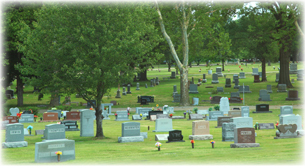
210 109
64 108
195 109
216 107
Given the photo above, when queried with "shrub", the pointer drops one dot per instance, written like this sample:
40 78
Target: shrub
210 109
216 107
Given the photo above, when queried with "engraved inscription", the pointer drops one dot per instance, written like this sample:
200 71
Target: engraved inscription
44 154
56 146
245 132
131 127
56 130
15 132
202 127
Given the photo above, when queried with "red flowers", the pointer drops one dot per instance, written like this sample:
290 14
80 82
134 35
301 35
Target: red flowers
19 115
192 141
171 115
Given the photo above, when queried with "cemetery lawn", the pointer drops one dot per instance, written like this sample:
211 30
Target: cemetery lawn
107 151
163 92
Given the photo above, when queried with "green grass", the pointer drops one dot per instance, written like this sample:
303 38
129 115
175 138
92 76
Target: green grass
90 150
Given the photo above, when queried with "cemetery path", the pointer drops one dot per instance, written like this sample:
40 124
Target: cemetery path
113 109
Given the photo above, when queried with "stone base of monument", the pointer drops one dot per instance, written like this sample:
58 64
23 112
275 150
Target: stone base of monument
236 87
227 86
130 139
261 111
244 145
200 137
162 130
49 121
193 92
215 81
143 134
300 132
204 80
14 144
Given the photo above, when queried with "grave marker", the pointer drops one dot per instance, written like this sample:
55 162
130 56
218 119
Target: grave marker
200 131
175 136
86 123
163 125
262 108
14 136
293 95
54 131
215 79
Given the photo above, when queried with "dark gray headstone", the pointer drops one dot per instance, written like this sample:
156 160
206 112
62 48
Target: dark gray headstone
175 136
130 129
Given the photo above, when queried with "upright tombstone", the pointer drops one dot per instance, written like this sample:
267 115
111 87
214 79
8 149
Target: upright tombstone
228 131
175 136
173 75
88 106
118 94
244 138
277 77
256 79
151 83
218 72
54 131
163 125
122 116
293 68
176 98
287 131
124 91
138 86
220 89
254 71
204 80
215 99
128 89
300 75
242 75
45 151
293 119
244 90
107 110
235 76
269 88
286 110
245 111
146 85
14 111
263 95
175 89
10 119
224 105
195 117
215 79
235 98
10 94
130 133
221 120
213 115
70 125
143 111
242 122
281 88
262 108
73 115
228 82
193 89
200 131
14 136
157 81
26 118
260 74
293 95
236 86
50 116
158 116
86 123
265 126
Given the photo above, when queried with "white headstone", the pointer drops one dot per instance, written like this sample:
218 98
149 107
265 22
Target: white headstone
224 105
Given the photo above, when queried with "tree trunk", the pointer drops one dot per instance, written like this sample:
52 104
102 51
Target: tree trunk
177 71
284 67
207 63
19 91
54 99
143 75
223 64
190 64
264 70
169 66
184 92
269 63
99 119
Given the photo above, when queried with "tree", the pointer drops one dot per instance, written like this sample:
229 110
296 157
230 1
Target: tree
15 14
285 14
82 48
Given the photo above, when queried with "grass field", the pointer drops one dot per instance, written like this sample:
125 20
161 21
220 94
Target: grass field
107 151
89 150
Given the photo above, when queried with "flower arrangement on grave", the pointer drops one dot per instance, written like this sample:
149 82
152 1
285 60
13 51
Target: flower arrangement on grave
241 99
256 126
241 69
239 66
128 109
158 145
192 142
152 109
30 128
58 153
184 114
228 70
277 124
195 109
116 115
210 109
31 111
90 108
157 105
229 98
171 115
19 114
54 108
35 117
212 142
141 115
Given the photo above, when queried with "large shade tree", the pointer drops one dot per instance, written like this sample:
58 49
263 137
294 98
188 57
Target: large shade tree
82 48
